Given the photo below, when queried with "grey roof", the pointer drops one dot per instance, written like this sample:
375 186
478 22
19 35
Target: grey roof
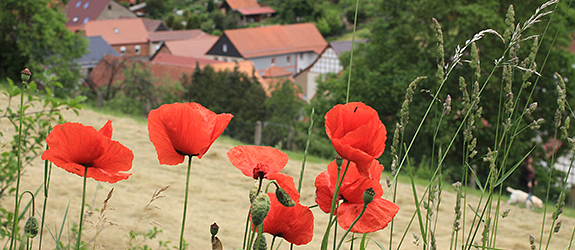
343 46
97 49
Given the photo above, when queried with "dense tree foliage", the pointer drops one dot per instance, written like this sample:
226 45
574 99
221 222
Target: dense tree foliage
403 46
33 35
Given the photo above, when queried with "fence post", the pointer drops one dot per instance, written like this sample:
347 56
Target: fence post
258 133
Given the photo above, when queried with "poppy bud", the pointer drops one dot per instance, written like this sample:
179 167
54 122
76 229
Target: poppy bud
25 75
31 227
338 160
262 243
260 208
214 228
368 195
284 198
254 191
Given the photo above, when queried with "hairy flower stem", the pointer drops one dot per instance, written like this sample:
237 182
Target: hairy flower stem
333 203
47 173
82 209
19 167
350 227
185 203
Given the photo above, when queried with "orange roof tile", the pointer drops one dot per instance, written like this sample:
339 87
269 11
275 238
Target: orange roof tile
192 48
277 39
118 31
256 11
238 4
182 60
246 67
171 35
275 71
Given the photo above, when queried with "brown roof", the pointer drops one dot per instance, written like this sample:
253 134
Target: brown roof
192 48
102 73
118 31
151 24
238 4
79 12
277 39
256 11
275 71
182 60
171 35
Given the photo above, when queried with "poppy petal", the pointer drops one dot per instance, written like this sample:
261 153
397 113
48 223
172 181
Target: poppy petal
246 158
294 224
158 135
107 129
376 217
323 191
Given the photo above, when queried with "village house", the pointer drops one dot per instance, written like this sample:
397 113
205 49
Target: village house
97 49
79 12
129 37
191 43
250 10
292 47
327 62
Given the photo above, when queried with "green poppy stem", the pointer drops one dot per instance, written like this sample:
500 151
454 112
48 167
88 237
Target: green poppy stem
47 173
82 209
248 224
185 202
350 227
333 203
16 203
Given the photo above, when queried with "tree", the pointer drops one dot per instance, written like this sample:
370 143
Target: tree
33 35
403 46
283 108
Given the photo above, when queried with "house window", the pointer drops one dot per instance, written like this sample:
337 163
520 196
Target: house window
116 30
86 5
138 49
273 61
225 48
301 56
86 20
109 6
123 50
75 19
288 58
78 4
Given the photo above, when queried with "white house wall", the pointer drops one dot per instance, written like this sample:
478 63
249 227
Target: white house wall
327 63
304 60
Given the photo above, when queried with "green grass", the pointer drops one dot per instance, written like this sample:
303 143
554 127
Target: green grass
362 33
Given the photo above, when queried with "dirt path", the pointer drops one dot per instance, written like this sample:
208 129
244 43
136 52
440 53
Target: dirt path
218 193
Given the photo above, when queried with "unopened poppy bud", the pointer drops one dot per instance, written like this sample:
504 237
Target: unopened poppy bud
338 160
368 195
25 74
260 208
284 198
262 243
31 227
214 228
254 191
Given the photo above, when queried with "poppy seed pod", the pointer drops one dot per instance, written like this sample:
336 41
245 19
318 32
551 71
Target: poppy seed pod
368 195
25 75
214 228
338 160
260 208
284 198
262 243
31 227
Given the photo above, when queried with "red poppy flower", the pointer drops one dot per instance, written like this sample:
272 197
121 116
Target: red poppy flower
378 213
257 161
73 147
294 224
184 129
356 133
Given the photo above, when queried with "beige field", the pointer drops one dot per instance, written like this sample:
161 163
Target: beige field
218 193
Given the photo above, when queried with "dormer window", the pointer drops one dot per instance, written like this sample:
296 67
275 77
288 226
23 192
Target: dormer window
78 4
138 49
123 50
75 19
86 5
225 48
116 30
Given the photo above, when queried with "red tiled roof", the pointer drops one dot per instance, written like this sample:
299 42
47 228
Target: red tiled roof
79 12
170 35
238 4
151 24
118 31
182 60
192 48
256 11
277 39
